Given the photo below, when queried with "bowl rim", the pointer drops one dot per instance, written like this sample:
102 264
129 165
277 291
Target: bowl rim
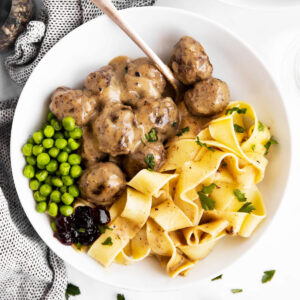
289 155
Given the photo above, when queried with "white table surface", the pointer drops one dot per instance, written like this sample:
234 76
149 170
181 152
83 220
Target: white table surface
275 35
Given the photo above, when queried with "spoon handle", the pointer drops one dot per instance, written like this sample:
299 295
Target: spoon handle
109 9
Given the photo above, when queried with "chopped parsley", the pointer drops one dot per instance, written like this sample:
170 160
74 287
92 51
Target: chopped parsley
247 208
142 141
270 142
268 275
238 128
182 131
120 297
261 126
217 278
108 242
72 290
149 160
203 145
206 202
238 110
82 230
151 136
253 147
239 195
235 291
174 124
78 246
103 228
207 189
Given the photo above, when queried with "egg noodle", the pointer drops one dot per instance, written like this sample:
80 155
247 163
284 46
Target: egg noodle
205 191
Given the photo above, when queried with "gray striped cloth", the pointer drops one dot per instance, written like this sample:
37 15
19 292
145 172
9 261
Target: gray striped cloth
28 268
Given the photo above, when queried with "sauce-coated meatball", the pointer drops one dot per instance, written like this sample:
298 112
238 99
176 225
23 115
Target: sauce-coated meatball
207 97
102 183
189 61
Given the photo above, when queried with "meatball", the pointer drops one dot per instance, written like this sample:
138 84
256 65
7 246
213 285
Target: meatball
160 114
80 105
207 98
102 183
137 161
115 129
189 61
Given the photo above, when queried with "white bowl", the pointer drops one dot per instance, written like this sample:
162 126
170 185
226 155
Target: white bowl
93 45
263 4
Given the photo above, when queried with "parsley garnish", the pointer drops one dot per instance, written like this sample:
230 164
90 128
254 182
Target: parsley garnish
238 110
239 195
271 141
103 228
206 202
149 160
238 128
182 131
207 189
261 126
151 136
234 291
217 278
268 275
72 290
81 230
247 208
253 147
78 245
143 142
120 297
107 242
203 144
174 124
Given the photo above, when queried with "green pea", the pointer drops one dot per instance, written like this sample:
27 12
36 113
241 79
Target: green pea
53 226
66 134
57 182
67 199
56 124
61 143
76 133
41 207
45 189
66 210
43 159
73 144
34 184
73 190
48 143
64 189
30 141
41 167
52 209
59 135
67 180
55 196
75 171
39 197
74 159
29 171
41 175
49 131
64 168
53 152
50 116
31 160
49 180
62 157
68 123
52 166
67 149
27 149
37 149
38 137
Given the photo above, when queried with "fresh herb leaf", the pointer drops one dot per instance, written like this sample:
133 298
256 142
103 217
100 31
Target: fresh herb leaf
268 275
143 142
203 145
253 147
120 297
174 124
82 230
108 242
78 246
261 126
238 128
72 290
182 131
239 195
217 278
149 160
151 136
206 202
207 189
238 110
235 291
103 228
271 141
247 208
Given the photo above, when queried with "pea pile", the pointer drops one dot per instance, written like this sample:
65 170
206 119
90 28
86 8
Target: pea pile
53 166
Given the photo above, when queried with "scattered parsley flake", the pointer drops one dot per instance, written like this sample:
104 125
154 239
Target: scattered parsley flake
238 128
174 124
82 230
268 275
182 131
253 147
103 228
151 136
238 110
203 145
206 202
271 141
120 297
217 278
247 208
108 242
72 290
78 246
207 189
149 160
239 195
261 126
144 144
235 291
